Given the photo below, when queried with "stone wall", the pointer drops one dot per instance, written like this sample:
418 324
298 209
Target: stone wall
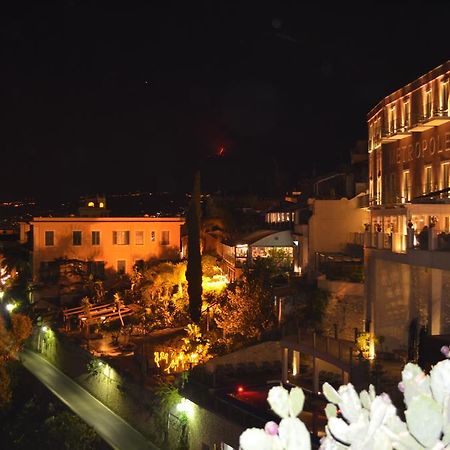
345 308
210 429
266 351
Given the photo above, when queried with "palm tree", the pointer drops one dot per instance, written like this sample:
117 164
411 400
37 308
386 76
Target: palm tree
86 304
118 304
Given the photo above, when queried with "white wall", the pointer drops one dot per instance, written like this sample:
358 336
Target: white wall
332 224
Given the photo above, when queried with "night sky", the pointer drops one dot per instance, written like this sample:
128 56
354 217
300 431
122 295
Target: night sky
115 97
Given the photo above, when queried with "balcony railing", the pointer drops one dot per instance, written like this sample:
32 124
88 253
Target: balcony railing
395 130
427 239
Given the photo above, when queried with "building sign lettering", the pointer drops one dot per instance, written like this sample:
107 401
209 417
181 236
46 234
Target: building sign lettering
421 149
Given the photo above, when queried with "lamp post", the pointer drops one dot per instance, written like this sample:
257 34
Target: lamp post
41 332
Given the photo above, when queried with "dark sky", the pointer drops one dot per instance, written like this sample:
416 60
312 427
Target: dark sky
113 97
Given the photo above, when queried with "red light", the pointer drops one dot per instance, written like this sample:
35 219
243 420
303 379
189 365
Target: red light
240 389
221 151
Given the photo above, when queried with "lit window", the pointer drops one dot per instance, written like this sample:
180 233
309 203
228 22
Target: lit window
91 204
121 237
49 238
139 238
406 194
241 251
96 238
165 239
121 266
444 97
101 205
406 114
76 238
428 185
428 103
446 178
392 124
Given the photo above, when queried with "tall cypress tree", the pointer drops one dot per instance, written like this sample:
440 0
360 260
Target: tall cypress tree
194 264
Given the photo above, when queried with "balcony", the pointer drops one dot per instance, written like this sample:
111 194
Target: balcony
340 267
431 118
426 239
394 134
438 117
395 242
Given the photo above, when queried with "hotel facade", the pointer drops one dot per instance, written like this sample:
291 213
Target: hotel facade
407 240
107 245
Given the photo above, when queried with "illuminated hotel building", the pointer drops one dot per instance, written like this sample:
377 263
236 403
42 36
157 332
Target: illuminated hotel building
407 242
107 246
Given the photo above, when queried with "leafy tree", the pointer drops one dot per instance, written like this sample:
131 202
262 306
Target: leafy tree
210 266
5 386
162 291
86 305
67 431
247 311
167 396
194 265
11 341
21 328
309 310
195 345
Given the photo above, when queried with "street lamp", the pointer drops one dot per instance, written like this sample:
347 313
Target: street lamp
185 406
10 307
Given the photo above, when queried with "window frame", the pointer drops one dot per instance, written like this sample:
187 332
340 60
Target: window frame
79 234
162 240
47 233
142 237
124 271
428 169
444 165
125 236
95 242
406 186
444 90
